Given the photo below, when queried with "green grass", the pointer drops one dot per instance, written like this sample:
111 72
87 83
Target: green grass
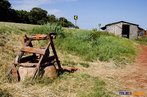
142 40
97 46
47 28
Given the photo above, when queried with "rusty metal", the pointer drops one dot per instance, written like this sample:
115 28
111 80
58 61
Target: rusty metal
39 59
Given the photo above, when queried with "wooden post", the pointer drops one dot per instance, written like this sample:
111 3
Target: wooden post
54 51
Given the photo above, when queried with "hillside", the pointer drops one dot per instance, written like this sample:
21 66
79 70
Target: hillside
99 56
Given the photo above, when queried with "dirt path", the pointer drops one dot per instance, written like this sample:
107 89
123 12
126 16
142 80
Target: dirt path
137 80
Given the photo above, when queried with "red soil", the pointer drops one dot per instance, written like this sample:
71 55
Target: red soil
137 80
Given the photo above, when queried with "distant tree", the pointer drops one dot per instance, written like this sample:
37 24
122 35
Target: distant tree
35 16
23 16
65 23
12 16
51 19
38 16
76 27
70 24
5 6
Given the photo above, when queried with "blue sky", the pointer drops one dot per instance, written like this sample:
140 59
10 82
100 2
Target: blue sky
91 12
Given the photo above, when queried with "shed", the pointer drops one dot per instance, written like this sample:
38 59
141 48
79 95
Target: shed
123 29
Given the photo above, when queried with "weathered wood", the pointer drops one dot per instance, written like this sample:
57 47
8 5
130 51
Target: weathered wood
39 63
28 64
54 50
33 50
36 37
37 67
20 54
39 37
35 62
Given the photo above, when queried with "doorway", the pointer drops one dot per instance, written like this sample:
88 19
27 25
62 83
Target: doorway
125 31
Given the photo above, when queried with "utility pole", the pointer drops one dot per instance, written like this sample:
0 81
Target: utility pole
99 25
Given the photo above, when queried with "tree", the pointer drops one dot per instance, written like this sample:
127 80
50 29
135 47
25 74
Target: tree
5 6
65 23
37 15
12 16
22 16
52 19
70 24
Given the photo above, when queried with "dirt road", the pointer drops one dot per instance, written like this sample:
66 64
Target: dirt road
137 80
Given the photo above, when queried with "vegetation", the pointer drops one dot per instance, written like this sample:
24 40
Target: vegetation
83 44
97 45
4 93
91 45
142 40
47 28
75 83
35 16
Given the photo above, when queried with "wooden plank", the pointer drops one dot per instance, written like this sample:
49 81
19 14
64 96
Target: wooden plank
33 50
20 54
28 64
39 37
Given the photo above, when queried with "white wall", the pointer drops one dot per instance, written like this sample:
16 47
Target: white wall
133 32
116 29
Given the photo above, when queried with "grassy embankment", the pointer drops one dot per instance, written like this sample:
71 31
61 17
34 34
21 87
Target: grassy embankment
88 46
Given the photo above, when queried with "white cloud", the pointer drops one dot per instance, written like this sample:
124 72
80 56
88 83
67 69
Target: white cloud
55 12
29 4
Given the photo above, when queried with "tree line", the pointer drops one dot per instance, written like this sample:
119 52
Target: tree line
34 16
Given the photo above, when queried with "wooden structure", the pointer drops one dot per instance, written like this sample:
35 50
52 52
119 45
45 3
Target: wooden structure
123 29
36 59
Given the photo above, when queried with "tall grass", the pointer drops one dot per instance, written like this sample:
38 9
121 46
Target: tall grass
93 45
47 28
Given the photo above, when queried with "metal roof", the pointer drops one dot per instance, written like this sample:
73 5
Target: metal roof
103 28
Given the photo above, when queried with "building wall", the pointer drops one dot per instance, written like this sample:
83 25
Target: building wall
133 32
116 29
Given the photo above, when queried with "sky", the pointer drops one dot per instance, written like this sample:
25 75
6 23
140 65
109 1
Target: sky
91 13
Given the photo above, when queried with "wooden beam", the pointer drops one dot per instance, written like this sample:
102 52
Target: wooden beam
28 64
33 50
